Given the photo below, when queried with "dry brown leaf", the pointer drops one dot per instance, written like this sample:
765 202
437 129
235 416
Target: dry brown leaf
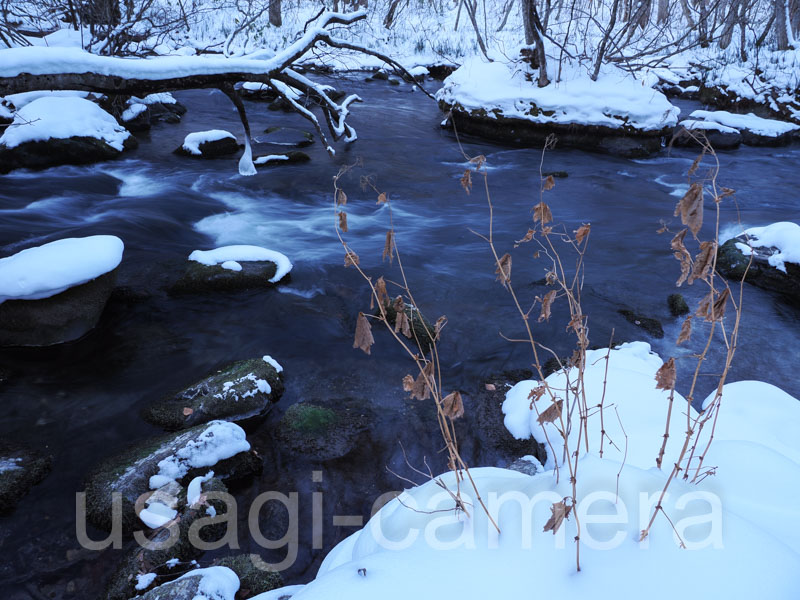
503 270
542 214
343 221
401 321
363 339
665 376
187 411
682 255
388 246
382 199
697 162
453 405
582 232
551 414
535 394
350 258
560 511
528 237
720 303
686 331
341 197
712 307
478 161
703 261
419 387
690 208
408 383
439 325
380 291
549 184
547 303
466 181
725 193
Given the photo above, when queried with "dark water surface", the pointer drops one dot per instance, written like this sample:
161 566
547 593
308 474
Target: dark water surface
81 402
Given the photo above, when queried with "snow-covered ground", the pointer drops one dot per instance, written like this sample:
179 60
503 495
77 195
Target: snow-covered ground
748 122
52 268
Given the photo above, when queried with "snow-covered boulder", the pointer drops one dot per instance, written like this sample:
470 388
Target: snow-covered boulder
211 583
755 131
208 144
240 391
775 251
616 113
217 446
56 292
54 130
719 136
232 268
20 470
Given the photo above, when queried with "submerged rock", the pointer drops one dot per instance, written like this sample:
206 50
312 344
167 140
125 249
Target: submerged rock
237 392
677 305
218 446
20 470
732 263
422 331
324 429
650 325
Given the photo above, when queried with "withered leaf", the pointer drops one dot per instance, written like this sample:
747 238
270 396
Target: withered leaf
363 339
690 208
350 258
712 307
582 232
725 193
720 303
503 270
535 394
382 199
542 214
453 405
551 414
547 303
187 411
478 161
665 376
439 325
682 255
528 237
380 291
466 181
703 261
560 511
419 387
341 197
388 246
408 383
401 321
343 221
686 331
549 183
697 161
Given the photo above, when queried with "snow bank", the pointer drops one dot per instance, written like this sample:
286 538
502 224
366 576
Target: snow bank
133 111
192 142
615 100
50 269
218 441
706 126
243 253
54 117
748 122
25 98
784 236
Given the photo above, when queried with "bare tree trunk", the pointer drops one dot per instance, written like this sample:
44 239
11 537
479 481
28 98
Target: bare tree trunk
275 13
702 24
606 36
731 20
663 11
781 25
471 8
534 34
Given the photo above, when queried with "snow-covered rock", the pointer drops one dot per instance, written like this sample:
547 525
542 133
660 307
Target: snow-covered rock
20 470
209 144
53 130
233 267
719 136
775 251
615 113
237 392
211 583
56 292
755 131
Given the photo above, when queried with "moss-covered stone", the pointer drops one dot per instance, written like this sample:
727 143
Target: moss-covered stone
733 263
677 305
20 470
324 429
203 278
253 579
237 392
650 325
422 331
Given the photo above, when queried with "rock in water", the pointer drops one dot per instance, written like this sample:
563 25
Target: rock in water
237 392
20 470
232 268
677 305
650 325
212 583
209 144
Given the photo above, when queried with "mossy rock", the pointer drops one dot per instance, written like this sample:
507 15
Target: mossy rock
324 429
732 263
20 470
129 474
677 305
204 278
650 325
421 329
253 580
234 393
121 585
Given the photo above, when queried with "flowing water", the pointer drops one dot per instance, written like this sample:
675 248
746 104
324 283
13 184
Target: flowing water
81 402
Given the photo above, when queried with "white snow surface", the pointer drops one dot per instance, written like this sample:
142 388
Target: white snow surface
216 583
57 117
748 122
741 526
244 253
707 126
274 363
218 441
157 514
52 268
231 265
192 141
133 111
143 580
195 488
262 160
279 594
784 235
614 100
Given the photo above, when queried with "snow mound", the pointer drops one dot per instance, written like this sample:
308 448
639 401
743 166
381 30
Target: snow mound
707 126
749 122
615 100
193 141
217 583
50 269
785 236
54 117
244 253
